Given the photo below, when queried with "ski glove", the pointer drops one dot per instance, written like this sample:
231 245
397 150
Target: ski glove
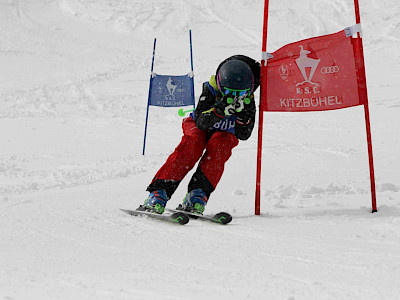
208 118
243 117
225 106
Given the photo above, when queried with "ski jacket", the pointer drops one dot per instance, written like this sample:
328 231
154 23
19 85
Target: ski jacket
240 124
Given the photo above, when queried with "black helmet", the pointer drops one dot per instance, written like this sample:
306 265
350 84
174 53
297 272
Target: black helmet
235 75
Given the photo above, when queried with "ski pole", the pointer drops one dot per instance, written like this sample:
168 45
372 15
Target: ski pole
182 112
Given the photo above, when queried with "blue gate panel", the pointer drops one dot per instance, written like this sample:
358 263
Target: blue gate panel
171 91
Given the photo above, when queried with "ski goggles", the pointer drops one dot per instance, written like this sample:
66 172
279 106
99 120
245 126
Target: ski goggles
236 94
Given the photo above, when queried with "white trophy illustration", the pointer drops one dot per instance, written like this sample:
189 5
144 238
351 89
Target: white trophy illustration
304 62
171 87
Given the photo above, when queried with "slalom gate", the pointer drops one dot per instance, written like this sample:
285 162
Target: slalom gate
317 74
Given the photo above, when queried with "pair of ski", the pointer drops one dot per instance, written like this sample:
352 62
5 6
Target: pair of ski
182 217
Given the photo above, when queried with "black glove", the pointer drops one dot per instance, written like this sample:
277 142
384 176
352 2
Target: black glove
243 117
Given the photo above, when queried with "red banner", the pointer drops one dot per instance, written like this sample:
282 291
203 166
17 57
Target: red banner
315 74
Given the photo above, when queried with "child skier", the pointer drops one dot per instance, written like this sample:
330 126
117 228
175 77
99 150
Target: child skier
224 114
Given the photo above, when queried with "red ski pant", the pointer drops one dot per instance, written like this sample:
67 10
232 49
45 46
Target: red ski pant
194 141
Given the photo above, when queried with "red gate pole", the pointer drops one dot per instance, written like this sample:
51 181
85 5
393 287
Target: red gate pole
371 158
360 56
263 96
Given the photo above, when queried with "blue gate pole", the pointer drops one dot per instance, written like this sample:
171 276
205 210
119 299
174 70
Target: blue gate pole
148 100
191 63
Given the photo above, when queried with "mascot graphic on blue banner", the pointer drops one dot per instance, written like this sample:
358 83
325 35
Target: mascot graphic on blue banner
171 91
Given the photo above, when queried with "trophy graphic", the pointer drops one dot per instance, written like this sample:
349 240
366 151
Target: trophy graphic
305 63
171 87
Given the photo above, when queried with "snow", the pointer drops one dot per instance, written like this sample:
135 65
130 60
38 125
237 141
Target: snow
74 78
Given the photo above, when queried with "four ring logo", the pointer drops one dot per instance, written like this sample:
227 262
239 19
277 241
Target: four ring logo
330 70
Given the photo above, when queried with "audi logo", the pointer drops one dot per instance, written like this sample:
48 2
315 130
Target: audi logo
330 70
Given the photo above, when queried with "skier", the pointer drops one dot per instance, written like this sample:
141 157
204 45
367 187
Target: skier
225 114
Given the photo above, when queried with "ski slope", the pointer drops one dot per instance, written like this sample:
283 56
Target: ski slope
74 78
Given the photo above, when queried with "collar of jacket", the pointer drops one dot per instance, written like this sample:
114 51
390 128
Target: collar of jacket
213 83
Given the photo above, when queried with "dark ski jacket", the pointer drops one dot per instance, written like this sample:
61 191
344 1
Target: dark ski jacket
240 124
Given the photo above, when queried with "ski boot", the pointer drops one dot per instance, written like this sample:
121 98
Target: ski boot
155 203
194 202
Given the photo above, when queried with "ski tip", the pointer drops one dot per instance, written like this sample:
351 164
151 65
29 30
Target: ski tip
180 218
223 218
128 211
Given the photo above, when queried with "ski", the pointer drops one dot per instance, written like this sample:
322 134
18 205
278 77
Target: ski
177 217
220 218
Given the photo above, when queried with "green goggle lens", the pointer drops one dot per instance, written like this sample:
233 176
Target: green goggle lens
229 100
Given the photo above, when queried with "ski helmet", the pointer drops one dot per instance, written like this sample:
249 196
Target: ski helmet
235 75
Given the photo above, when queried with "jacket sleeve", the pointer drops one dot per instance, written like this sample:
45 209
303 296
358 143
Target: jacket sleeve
205 115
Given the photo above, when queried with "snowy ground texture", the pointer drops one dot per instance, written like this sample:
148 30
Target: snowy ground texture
74 78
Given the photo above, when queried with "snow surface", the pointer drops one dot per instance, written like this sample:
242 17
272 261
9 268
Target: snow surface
74 80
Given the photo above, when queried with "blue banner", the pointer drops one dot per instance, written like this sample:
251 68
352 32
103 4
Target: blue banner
171 91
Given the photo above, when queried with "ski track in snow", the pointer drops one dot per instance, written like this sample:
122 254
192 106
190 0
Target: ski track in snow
73 88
